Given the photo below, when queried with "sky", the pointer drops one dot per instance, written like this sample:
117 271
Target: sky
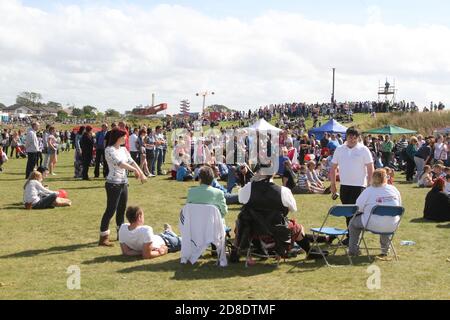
115 54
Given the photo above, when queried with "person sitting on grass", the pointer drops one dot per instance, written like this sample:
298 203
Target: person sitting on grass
289 177
304 186
183 173
379 193
137 239
3 158
36 196
313 177
438 171
447 184
437 203
426 179
390 175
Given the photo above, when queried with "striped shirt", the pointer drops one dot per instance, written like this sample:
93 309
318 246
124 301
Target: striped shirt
302 181
115 157
401 144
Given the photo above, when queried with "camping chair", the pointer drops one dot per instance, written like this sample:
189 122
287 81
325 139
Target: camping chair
202 225
336 211
384 211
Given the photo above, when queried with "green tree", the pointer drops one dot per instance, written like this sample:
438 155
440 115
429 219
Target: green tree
89 111
112 113
28 99
54 105
100 116
2 106
77 112
62 115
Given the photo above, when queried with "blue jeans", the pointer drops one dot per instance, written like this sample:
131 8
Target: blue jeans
231 198
231 179
172 241
158 161
46 202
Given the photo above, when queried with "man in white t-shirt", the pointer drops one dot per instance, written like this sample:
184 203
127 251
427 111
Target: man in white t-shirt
355 168
137 239
380 193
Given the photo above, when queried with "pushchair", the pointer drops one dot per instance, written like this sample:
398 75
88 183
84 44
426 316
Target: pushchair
21 152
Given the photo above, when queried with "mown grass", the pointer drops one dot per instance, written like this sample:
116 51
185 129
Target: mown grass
38 247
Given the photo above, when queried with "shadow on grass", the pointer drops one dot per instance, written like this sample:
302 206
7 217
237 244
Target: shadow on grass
444 226
340 261
422 220
203 269
116 258
53 250
84 188
405 182
16 174
13 206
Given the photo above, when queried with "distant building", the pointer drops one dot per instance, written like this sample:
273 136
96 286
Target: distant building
30 111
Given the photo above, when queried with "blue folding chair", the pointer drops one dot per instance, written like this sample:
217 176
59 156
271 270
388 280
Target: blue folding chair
384 211
340 234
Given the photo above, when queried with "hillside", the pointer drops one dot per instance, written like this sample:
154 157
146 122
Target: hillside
422 122
218 108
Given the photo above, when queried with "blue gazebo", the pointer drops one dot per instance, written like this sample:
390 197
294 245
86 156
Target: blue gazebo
331 126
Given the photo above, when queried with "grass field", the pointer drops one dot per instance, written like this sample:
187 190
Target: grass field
38 247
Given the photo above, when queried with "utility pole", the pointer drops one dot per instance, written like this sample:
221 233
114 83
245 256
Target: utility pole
204 94
332 94
153 99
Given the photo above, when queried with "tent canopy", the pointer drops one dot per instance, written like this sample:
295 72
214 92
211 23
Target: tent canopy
331 126
263 125
391 130
442 131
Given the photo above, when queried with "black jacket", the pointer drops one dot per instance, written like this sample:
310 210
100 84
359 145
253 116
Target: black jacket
437 206
87 146
264 215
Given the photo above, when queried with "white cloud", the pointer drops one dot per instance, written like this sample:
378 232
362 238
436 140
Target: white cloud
117 58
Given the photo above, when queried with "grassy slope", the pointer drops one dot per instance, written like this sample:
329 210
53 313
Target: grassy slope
39 246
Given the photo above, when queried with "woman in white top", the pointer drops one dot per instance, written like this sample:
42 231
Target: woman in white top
119 163
52 150
440 149
36 196
380 193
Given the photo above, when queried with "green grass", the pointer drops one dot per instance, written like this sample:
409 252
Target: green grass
38 247
423 122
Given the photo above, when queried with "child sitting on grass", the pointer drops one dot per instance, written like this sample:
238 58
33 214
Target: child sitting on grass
438 171
426 180
390 175
304 186
183 173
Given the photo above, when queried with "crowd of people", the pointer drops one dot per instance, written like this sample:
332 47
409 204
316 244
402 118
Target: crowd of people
364 165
